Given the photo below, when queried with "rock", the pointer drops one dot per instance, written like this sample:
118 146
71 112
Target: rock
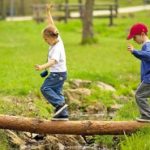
31 106
74 105
121 98
78 83
114 107
77 94
62 142
54 143
14 139
105 86
95 108
68 140
80 139
87 116
66 86
27 141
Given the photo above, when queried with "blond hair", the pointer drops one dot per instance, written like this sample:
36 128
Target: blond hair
50 31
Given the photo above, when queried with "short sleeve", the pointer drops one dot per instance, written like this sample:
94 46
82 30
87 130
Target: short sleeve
56 52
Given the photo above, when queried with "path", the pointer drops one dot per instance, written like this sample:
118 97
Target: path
99 12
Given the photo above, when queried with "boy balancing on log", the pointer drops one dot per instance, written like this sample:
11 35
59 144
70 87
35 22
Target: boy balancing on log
139 34
53 84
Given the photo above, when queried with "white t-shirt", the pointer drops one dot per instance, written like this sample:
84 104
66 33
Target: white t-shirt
57 52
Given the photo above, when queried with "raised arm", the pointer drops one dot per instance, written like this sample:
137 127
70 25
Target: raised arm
49 16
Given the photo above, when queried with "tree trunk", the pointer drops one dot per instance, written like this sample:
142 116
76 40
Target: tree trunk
35 125
22 8
12 8
87 19
3 9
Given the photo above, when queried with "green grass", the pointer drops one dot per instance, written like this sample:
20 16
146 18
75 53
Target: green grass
123 114
22 41
22 46
4 144
138 141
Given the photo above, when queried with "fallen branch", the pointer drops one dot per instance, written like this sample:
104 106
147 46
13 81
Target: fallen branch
88 127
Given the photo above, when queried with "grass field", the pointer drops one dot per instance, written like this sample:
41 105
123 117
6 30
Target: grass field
22 46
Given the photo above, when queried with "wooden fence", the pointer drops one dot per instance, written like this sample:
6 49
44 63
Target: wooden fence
146 1
24 7
72 11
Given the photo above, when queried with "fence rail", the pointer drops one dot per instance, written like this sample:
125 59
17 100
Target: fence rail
73 11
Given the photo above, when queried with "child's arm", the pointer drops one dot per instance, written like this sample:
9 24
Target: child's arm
142 55
50 63
49 16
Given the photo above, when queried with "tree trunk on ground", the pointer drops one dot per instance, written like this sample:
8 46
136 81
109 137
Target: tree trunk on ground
87 20
35 125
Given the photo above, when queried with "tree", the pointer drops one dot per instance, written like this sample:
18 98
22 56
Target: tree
22 7
3 9
87 20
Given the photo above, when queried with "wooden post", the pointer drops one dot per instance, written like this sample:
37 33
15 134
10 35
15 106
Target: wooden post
88 127
116 7
12 9
81 7
22 7
66 11
3 9
111 15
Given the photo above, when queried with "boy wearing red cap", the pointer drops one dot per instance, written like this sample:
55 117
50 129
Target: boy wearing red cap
139 34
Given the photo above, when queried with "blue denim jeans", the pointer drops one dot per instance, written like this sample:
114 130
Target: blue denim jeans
52 90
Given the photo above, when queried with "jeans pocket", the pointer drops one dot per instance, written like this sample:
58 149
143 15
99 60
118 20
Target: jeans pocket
55 75
63 77
58 76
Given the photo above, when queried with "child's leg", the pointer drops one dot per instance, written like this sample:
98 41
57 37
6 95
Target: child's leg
60 107
52 88
142 93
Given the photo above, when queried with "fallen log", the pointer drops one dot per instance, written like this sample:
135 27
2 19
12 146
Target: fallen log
88 127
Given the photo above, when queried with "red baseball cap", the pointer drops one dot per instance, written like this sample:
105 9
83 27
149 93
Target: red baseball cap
137 29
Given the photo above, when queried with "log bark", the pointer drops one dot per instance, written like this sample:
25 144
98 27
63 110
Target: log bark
35 125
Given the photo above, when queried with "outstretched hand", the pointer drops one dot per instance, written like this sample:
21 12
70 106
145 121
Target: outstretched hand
49 16
38 67
49 8
130 48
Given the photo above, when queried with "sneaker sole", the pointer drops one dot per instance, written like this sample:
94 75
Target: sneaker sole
60 110
142 120
59 119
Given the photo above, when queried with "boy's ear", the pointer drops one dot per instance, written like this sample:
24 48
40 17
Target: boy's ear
143 34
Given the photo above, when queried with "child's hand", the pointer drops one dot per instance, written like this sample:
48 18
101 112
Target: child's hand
130 48
49 7
38 67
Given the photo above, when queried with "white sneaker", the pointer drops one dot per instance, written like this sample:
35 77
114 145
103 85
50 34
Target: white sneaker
60 119
143 119
60 110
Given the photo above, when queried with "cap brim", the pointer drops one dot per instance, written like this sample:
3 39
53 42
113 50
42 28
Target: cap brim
129 37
